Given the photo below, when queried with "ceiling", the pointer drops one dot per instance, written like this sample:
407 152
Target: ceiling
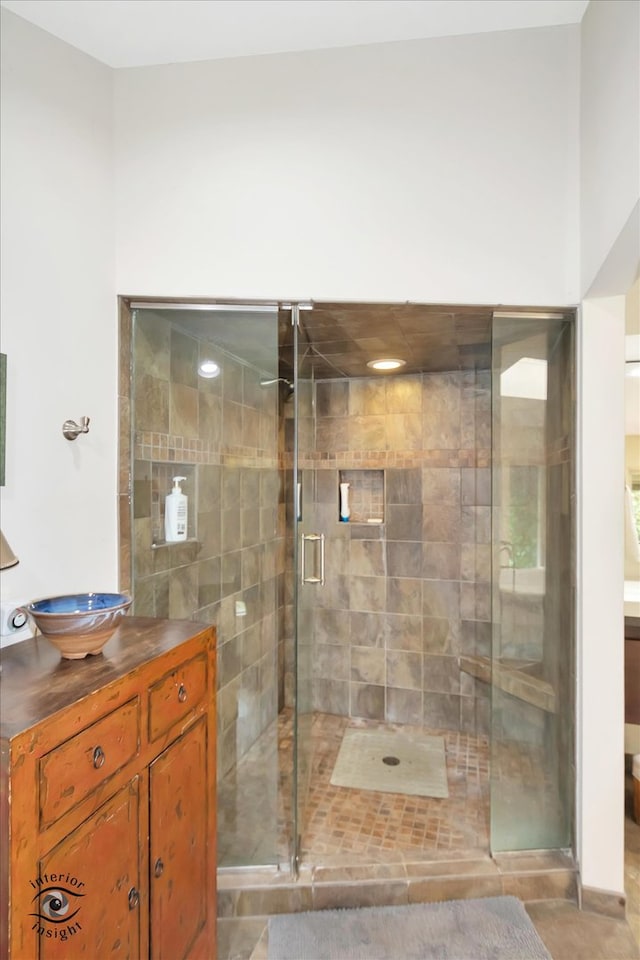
338 339
134 33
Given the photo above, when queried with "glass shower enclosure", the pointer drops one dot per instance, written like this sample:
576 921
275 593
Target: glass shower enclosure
206 405
532 659
224 395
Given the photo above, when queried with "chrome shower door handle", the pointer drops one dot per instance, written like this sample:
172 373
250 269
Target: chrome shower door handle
322 559
314 538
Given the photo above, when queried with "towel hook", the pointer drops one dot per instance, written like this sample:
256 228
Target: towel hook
71 429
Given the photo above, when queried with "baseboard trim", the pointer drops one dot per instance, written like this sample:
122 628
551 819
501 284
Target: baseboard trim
604 902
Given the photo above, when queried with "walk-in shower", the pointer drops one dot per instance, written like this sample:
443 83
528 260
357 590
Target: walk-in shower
442 608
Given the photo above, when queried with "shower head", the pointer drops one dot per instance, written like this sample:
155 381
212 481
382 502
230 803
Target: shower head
288 392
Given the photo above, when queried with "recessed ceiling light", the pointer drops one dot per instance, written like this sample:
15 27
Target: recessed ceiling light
209 369
386 364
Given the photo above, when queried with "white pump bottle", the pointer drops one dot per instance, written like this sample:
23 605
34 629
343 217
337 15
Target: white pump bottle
345 510
175 513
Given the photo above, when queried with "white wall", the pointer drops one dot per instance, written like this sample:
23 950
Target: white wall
439 170
600 598
609 133
58 314
610 254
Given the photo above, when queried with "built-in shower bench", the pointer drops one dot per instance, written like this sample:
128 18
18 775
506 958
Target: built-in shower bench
512 677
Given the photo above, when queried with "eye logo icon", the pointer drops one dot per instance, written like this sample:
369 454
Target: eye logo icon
54 904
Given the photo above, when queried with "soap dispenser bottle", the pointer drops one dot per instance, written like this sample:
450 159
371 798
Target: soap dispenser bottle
345 510
175 513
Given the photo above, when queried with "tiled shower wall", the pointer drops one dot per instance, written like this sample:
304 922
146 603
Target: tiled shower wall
403 599
222 434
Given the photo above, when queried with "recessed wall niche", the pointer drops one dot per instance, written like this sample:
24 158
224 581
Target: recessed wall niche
161 478
366 495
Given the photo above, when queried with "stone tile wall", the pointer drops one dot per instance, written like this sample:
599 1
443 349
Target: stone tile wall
223 435
403 599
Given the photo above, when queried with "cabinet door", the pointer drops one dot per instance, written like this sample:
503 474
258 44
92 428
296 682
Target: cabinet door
88 902
178 824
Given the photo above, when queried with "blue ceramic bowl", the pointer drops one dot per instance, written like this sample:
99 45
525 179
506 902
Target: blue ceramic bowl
80 623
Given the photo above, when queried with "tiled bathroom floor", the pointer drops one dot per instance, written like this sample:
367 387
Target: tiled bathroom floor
343 824
350 824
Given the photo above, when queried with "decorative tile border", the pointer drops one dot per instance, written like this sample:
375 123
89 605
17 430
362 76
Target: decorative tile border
168 448
397 459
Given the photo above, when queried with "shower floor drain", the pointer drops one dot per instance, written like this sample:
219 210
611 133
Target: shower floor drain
392 762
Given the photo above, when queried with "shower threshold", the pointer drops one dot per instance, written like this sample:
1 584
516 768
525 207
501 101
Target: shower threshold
536 875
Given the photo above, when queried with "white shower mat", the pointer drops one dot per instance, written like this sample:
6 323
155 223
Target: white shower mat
392 762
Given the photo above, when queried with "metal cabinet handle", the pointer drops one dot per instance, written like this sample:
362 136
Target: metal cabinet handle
314 537
158 867
99 757
182 693
134 898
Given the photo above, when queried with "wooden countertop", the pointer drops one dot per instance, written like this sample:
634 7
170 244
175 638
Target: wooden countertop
36 682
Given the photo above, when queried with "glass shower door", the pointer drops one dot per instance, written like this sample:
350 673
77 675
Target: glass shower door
309 575
206 404
533 670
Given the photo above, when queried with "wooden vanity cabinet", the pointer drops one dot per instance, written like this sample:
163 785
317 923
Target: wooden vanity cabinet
107 797
109 838
178 830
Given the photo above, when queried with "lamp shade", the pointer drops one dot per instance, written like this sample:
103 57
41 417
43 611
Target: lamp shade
7 556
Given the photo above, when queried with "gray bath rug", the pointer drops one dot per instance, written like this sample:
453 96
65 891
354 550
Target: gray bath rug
494 928
392 762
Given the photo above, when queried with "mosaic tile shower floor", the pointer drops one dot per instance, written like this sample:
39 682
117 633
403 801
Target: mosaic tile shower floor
344 825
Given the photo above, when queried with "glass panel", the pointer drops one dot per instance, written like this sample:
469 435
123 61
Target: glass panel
218 428
533 671
309 559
